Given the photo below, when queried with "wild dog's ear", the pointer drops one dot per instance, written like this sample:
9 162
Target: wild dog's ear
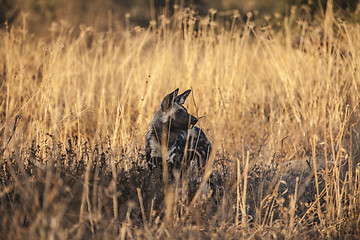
169 100
181 98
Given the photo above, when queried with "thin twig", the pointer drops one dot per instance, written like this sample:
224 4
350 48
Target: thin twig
17 119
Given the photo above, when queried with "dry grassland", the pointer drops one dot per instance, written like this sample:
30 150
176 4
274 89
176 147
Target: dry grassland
280 107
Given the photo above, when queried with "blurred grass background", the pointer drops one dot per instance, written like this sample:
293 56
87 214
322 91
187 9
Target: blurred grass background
98 13
272 84
88 46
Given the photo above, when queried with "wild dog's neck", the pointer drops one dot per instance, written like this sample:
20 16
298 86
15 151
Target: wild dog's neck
170 134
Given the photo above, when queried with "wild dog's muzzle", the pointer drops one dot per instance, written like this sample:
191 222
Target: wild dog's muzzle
193 120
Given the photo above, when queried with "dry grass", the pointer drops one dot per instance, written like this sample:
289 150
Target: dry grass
280 107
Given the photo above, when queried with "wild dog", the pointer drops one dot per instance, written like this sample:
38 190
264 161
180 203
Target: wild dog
186 144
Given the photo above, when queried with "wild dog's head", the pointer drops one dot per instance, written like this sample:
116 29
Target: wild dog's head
174 113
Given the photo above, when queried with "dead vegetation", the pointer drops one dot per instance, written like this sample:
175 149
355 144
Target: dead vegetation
283 120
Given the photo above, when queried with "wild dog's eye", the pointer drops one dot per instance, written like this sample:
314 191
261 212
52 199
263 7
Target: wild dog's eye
179 111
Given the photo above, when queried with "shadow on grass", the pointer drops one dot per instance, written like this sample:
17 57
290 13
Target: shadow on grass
81 191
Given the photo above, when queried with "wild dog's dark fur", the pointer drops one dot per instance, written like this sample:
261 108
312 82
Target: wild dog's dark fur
179 124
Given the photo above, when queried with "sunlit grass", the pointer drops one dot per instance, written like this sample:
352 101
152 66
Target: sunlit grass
263 96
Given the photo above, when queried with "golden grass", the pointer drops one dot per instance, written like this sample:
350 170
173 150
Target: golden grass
260 100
